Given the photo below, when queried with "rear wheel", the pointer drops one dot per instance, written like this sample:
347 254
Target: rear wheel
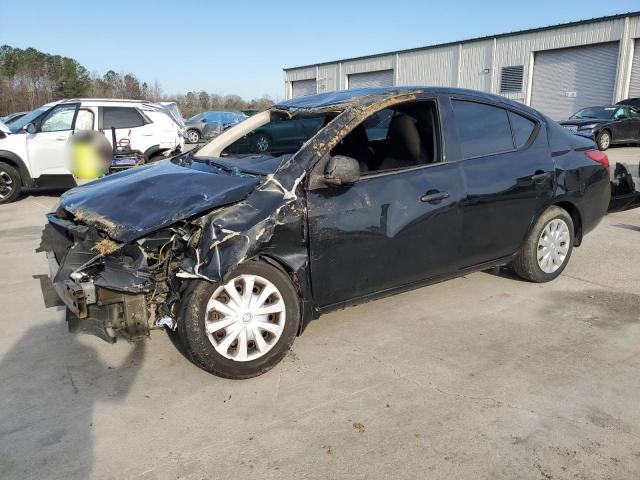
10 183
548 247
262 142
244 327
603 140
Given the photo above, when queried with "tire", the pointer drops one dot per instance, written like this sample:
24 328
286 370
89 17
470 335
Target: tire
557 226
261 143
193 136
603 140
208 349
10 183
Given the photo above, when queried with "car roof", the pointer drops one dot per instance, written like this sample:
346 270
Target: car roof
341 99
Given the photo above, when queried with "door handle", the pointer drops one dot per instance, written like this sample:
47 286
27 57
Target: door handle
61 139
540 177
434 196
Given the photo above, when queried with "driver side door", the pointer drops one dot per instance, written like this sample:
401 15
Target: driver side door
47 147
389 229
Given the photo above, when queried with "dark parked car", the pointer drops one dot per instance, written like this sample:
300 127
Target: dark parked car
12 117
207 125
239 252
607 125
632 102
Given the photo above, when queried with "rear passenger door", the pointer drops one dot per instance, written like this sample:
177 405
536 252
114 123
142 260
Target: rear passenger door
509 178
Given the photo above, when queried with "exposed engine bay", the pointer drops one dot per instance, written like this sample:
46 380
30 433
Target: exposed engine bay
118 288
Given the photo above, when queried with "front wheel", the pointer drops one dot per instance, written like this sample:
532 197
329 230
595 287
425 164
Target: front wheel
603 140
193 136
10 183
244 327
548 247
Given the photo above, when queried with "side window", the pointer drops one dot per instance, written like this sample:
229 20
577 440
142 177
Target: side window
634 113
620 113
59 119
404 136
121 117
84 120
482 129
522 129
377 125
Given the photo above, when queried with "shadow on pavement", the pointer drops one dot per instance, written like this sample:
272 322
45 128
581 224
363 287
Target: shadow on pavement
50 382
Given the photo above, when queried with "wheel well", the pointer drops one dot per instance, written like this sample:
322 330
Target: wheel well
19 168
577 220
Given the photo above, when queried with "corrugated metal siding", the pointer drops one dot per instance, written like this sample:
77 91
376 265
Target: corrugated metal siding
328 78
368 65
475 58
383 78
517 50
300 88
437 67
634 82
569 79
302 74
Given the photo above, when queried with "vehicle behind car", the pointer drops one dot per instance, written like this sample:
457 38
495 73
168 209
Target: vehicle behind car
208 125
36 152
607 125
12 117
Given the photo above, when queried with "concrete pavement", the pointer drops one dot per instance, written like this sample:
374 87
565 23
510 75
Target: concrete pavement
484 377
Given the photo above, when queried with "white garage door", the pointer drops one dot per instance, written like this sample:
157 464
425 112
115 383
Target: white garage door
380 78
634 84
303 87
569 79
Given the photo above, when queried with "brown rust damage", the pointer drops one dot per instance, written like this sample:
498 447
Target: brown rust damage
105 246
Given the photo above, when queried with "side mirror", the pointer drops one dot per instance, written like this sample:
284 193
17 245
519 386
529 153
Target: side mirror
30 128
342 170
203 121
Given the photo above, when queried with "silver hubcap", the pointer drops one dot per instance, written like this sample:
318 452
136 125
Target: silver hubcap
553 245
262 143
6 185
605 140
193 136
245 318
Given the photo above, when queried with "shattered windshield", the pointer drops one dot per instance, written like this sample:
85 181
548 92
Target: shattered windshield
270 133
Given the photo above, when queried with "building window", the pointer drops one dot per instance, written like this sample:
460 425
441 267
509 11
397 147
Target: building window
511 79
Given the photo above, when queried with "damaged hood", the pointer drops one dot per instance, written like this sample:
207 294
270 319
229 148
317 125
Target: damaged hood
136 202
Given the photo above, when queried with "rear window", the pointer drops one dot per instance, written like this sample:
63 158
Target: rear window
522 129
482 129
121 117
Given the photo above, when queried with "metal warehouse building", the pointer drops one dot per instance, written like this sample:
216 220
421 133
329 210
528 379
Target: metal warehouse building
557 69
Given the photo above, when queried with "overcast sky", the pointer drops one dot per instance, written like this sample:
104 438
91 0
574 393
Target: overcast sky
237 46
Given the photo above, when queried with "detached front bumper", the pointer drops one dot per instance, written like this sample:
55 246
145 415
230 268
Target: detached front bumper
103 295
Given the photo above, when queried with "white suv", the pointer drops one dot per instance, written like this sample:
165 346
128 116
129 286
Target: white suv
33 149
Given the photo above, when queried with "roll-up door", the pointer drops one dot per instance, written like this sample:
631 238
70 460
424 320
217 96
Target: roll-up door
634 84
303 87
569 79
380 78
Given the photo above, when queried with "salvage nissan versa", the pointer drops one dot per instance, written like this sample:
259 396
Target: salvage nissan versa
392 188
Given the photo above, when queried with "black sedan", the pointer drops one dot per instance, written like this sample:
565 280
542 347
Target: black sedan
607 125
238 253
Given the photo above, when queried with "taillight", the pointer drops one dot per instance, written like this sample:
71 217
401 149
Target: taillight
598 156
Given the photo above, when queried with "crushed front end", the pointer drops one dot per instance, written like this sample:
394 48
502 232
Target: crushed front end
111 288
